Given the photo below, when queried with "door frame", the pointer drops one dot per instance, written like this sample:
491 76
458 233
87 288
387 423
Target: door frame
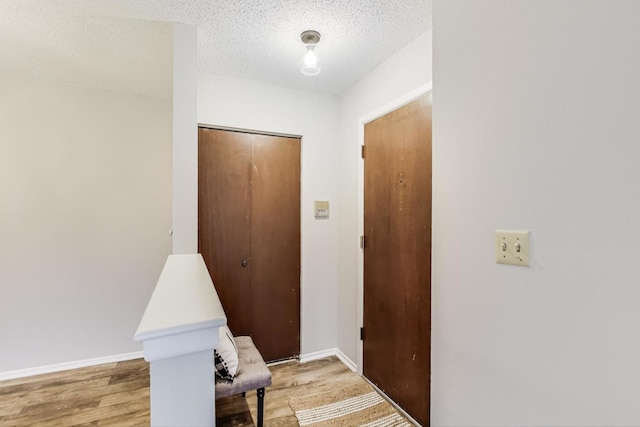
253 131
378 112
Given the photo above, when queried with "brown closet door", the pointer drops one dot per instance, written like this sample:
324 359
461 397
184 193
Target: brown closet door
224 220
249 234
397 255
275 243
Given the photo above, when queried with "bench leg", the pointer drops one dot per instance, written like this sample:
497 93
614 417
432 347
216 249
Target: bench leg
260 393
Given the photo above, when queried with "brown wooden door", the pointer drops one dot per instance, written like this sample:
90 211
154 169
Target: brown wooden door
397 255
275 246
249 234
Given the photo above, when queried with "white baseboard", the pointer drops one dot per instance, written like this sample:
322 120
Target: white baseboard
21 373
344 359
304 358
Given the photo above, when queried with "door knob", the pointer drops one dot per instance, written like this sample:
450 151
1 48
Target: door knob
245 262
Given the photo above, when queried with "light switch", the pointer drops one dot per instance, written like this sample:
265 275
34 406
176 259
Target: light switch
512 247
321 209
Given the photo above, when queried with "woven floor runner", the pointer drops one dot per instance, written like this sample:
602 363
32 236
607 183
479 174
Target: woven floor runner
357 405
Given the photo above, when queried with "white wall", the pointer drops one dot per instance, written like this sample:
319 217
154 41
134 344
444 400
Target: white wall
185 139
400 74
536 126
232 102
85 178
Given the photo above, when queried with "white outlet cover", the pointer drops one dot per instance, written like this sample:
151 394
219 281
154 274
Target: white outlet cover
512 247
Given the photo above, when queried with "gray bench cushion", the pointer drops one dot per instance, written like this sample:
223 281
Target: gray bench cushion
252 373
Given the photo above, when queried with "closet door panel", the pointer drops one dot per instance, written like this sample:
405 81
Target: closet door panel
224 220
275 240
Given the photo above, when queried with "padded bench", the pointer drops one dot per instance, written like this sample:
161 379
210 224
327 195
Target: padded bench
252 374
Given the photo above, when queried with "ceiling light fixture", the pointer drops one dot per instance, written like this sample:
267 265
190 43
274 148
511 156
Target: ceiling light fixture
310 65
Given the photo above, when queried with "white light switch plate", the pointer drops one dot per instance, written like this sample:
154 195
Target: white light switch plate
321 209
512 247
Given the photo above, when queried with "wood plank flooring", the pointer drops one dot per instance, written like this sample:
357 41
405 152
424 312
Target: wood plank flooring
117 394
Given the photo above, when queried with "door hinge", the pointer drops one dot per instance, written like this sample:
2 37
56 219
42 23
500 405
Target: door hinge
362 333
362 242
363 152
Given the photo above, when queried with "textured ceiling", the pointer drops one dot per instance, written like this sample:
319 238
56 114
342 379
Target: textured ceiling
125 45
123 55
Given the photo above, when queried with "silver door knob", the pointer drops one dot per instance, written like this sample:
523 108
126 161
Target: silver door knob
245 262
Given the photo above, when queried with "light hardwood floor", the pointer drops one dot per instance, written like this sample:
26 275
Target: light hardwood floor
117 394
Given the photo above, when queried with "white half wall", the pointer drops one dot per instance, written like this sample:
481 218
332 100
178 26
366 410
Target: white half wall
244 104
402 73
85 178
536 126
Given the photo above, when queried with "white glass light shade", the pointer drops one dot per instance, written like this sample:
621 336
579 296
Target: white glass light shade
311 59
310 66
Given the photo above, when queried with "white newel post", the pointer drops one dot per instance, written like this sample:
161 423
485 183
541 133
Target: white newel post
179 330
